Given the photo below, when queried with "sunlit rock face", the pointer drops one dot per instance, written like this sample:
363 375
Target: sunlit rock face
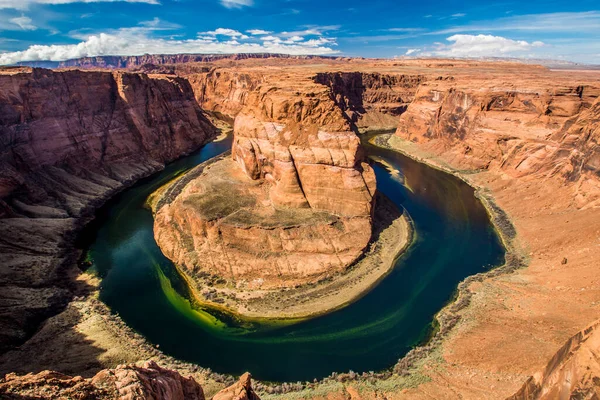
526 128
293 205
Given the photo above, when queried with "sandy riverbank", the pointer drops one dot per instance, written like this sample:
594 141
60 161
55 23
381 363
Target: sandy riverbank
393 234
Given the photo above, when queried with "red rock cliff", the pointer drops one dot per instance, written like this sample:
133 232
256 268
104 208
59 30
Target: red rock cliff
68 140
525 128
125 382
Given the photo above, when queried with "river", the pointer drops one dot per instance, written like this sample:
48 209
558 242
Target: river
454 239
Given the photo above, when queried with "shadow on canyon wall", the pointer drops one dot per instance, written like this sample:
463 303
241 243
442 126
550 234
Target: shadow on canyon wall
69 141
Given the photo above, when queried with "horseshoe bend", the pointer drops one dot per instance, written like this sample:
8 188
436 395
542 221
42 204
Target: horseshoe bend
337 227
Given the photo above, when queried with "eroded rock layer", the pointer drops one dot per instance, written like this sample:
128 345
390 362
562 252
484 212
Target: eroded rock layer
68 141
295 207
525 128
125 382
572 373
372 100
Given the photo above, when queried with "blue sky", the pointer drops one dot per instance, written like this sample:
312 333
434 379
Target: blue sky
61 29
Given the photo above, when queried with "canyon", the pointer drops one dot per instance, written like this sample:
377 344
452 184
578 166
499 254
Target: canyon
523 135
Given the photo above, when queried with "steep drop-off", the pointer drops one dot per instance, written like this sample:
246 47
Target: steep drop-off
371 100
524 128
69 140
572 373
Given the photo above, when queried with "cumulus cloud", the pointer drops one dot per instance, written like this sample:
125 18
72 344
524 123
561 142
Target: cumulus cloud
141 40
256 32
237 3
225 32
481 46
24 23
24 4
411 51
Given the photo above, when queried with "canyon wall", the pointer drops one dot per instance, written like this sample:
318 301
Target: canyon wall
371 100
68 141
523 128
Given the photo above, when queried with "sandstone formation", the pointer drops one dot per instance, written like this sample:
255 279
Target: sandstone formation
367 99
538 129
125 382
573 372
371 100
300 208
68 141
241 390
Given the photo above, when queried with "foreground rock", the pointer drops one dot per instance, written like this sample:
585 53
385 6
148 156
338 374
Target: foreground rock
241 390
125 382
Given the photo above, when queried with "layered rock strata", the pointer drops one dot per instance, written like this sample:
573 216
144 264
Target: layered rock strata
69 140
371 100
125 382
294 205
572 373
534 130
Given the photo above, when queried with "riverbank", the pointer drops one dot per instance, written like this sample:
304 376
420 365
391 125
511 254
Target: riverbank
508 322
115 338
393 234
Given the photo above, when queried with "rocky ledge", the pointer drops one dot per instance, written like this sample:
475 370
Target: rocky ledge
69 141
125 382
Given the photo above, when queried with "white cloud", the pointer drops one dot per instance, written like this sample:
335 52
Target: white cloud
24 23
225 32
312 30
411 51
140 40
237 3
481 46
255 32
459 15
404 29
24 4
